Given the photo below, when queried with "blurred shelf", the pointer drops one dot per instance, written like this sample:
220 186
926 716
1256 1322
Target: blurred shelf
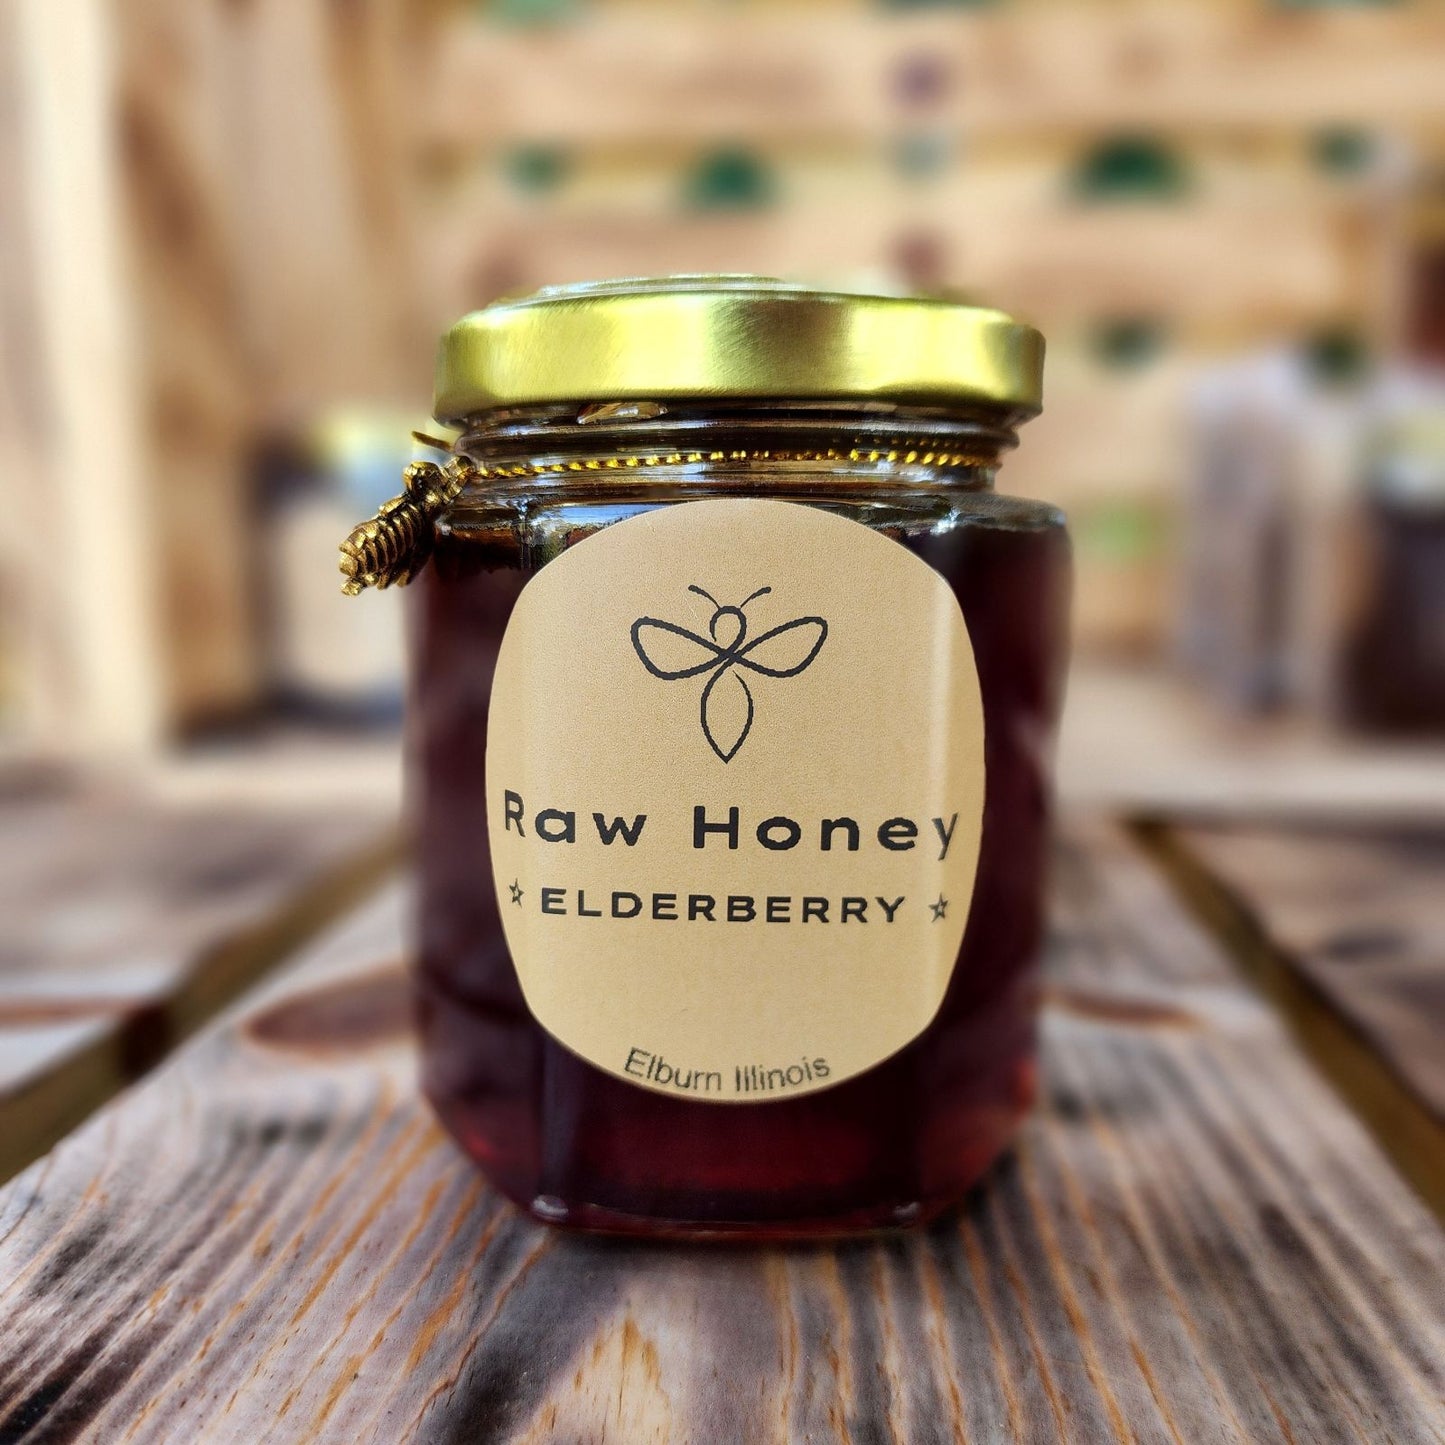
1276 263
306 193
629 74
1105 435
1145 742
357 772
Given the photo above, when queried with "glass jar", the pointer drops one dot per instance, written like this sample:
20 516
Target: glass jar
731 926
1393 666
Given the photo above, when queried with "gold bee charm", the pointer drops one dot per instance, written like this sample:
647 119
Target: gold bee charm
390 548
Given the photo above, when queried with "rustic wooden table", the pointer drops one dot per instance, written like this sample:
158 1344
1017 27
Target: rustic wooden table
1203 1235
128 921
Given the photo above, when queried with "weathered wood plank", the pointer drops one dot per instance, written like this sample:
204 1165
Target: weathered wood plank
1194 1242
1344 926
129 922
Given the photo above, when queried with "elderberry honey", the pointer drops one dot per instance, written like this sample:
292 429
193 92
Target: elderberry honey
733 690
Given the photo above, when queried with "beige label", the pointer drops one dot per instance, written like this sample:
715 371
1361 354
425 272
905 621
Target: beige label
735 786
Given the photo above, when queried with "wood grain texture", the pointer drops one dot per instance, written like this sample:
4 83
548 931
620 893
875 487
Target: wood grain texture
1345 927
1195 1242
128 923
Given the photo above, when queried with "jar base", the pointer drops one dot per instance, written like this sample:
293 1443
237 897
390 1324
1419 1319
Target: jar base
598 1219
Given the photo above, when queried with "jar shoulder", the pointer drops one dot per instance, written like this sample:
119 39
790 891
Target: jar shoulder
543 516
1004 509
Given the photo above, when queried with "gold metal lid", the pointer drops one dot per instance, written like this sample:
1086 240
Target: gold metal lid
732 336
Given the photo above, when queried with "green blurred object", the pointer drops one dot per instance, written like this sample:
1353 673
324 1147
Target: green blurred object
529 12
1343 150
937 4
537 169
1337 356
1128 343
1129 168
730 178
920 156
1120 532
1337 4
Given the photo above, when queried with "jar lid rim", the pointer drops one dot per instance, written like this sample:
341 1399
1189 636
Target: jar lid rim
733 336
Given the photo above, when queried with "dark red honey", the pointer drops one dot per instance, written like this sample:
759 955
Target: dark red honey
894 1145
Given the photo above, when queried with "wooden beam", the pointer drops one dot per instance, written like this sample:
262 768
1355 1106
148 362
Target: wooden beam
209 235
266 198
629 74
1273 262
178 212
318 111
78 443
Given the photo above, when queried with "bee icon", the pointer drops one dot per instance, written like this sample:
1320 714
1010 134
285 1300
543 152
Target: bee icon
672 653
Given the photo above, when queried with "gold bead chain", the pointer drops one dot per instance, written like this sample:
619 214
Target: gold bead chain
390 548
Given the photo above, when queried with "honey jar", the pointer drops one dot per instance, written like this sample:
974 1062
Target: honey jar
733 688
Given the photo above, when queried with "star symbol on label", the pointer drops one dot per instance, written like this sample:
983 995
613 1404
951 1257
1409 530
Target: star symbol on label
939 908
515 891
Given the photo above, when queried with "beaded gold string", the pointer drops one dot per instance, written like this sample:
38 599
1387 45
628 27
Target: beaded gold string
390 548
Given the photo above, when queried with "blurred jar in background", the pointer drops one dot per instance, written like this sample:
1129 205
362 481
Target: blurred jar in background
1271 527
331 657
1394 666
1314 542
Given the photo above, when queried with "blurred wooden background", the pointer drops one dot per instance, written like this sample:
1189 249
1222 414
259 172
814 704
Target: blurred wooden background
223 219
